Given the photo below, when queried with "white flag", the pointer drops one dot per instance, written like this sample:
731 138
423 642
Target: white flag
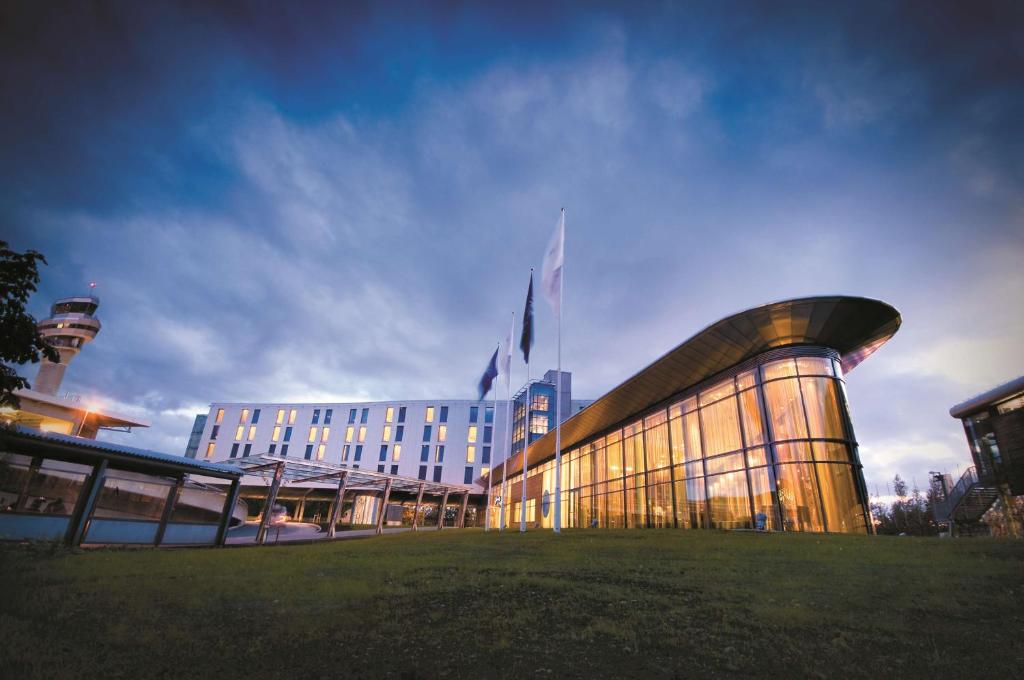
505 360
551 274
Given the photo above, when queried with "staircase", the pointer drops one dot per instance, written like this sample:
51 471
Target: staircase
966 501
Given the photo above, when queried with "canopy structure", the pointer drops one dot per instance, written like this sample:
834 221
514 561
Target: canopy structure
280 471
853 326
300 471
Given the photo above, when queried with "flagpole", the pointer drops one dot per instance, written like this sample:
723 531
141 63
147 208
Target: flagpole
508 429
558 396
490 459
526 450
526 438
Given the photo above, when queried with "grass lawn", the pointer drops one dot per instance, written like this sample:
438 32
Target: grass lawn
464 604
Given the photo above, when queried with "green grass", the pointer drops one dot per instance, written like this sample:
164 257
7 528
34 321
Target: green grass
464 604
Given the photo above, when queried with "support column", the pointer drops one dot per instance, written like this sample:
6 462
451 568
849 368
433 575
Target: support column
383 507
86 504
229 509
339 498
268 508
300 508
441 508
33 468
416 512
460 523
165 517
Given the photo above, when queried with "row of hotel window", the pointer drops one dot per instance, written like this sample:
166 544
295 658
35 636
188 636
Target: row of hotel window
395 453
323 435
720 453
467 477
389 415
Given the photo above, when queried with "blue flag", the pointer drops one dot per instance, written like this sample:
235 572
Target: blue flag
487 379
526 341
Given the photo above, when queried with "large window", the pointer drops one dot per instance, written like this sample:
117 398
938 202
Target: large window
767 447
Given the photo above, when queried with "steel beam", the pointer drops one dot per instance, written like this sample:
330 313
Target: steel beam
229 509
416 512
268 508
339 498
460 523
87 503
383 507
33 468
165 516
440 513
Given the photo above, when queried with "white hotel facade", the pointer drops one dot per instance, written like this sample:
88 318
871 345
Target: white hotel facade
450 441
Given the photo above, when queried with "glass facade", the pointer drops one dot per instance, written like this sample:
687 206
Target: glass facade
765 445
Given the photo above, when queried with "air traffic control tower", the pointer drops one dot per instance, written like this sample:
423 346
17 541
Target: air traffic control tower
70 325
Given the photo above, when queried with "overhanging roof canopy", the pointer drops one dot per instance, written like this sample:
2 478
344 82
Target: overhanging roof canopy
90 451
986 399
297 470
853 326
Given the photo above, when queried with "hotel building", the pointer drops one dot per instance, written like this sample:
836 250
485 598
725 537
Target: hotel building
448 441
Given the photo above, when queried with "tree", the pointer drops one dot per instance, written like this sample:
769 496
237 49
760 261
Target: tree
20 341
910 513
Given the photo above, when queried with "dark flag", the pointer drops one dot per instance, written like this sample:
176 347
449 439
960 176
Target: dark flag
487 379
526 341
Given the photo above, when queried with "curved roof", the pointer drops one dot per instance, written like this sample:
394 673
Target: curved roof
986 399
853 326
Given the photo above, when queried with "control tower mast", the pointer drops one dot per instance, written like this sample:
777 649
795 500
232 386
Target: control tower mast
70 325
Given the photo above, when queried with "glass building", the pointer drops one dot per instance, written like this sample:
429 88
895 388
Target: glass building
746 425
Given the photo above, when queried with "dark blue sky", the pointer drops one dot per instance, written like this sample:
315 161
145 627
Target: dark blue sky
302 201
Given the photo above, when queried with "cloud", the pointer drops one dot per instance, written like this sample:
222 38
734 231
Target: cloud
307 240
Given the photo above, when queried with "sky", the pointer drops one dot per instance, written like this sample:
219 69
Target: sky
340 201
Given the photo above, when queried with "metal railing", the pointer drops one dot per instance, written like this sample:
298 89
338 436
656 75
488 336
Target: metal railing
945 508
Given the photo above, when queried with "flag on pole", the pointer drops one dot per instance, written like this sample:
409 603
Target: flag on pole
505 362
487 379
551 274
526 341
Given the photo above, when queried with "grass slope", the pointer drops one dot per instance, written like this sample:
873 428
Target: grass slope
464 604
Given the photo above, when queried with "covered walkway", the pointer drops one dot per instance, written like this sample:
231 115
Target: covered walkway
279 472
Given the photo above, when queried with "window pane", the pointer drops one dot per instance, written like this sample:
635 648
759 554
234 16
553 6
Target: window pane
779 369
822 408
761 493
729 501
756 457
745 380
733 461
129 496
614 503
753 424
717 391
691 508
614 451
784 410
14 470
831 452
661 505
54 487
814 366
721 427
634 454
798 497
792 453
636 504
843 509
657 447
691 431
